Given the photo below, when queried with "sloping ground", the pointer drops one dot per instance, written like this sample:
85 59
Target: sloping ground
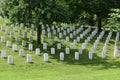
54 69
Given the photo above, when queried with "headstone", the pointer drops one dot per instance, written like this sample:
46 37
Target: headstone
48 29
67 38
32 32
26 29
60 35
44 46
52 50
58 30
21 52
15 28
64 33
90 55
49 35
78 39
68 30
25 35
10 59
2 28
63 42
75 42
61 56
81 36
51 42
21 25
43 39
71 46
23 43
74 33
67 50
11 34
103 54
2 39
43 32
31 39
29 58
32 26
83 45
3 53
56 39
71 35
45 57
80 50
20 32
54 32
58 46
14 47
8 44
7 31
76 55
30 47
17 39
37 51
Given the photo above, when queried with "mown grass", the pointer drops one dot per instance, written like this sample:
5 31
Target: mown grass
69 69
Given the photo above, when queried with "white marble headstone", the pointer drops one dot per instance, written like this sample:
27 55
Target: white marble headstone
37 51
45 57
10 59
52 50
67 38
31 39
17 39
29 58
44 46
60 35
8 44
56 39
67 50
49 35
23 43
25 35
76 55
2 39
21 52
61 56
30 47
3 53
11 34
58 46
14 47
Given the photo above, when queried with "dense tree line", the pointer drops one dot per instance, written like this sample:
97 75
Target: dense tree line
46 11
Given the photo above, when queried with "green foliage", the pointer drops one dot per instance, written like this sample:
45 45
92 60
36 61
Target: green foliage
114 19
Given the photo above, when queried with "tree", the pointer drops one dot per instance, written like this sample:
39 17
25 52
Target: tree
36 12
114 19
100 8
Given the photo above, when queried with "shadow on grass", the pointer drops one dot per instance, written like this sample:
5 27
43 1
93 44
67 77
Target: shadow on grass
83 58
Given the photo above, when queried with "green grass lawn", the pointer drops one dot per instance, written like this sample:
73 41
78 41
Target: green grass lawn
69 69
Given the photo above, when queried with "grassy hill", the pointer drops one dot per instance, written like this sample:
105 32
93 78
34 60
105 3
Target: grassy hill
54 69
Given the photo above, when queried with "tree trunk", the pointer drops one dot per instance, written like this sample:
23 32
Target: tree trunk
91 20
99 20
38 34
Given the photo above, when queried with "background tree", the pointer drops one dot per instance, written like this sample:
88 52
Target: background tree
36 11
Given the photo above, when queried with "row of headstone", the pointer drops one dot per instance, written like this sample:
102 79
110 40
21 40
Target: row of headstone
106 45
90 56
116 45
89 38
